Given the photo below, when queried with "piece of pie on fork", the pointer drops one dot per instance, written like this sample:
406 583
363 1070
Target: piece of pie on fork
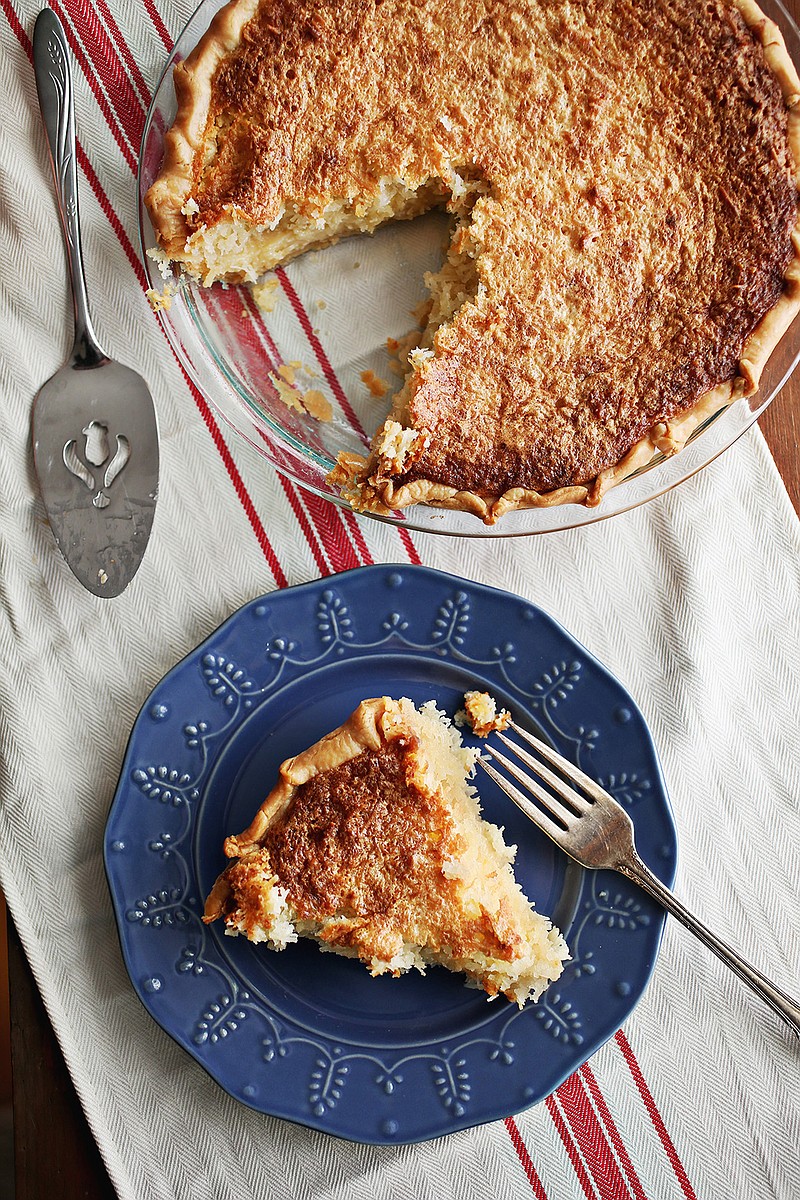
622 180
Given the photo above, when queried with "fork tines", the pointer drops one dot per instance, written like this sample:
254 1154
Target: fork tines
561 802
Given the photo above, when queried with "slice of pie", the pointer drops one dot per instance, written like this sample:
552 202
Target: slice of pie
622 178
372 843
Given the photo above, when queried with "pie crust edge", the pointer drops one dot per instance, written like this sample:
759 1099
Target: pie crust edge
365 729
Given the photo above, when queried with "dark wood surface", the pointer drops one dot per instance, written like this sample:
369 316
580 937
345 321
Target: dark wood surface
55 1152
780 425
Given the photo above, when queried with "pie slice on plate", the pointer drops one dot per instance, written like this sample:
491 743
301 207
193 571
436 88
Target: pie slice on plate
622 180
372 843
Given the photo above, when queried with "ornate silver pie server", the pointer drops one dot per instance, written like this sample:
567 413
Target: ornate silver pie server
95 435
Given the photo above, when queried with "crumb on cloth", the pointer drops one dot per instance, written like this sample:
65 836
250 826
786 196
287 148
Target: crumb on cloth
377 387
399 350
318 405
265 294
290 396
160 301
312 402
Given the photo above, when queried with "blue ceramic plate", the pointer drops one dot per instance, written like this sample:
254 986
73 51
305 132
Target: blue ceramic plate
310 1036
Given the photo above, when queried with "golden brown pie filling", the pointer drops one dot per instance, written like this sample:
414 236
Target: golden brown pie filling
622 178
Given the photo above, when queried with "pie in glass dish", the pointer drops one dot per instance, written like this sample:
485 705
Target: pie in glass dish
372 843
622 180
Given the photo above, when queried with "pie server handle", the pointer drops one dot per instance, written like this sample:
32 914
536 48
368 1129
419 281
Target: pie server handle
51 66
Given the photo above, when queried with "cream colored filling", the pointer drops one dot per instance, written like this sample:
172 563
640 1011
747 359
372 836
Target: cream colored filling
237 251
456 283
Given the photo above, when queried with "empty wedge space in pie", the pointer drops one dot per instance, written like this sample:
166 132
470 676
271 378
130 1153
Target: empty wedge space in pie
372 843
622 179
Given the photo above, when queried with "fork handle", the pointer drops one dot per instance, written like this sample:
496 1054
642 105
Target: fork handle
777 1000
54 86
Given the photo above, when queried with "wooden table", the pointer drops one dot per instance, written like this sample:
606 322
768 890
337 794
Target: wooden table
55 1152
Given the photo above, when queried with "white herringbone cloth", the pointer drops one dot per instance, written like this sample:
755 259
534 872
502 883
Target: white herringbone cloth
692 602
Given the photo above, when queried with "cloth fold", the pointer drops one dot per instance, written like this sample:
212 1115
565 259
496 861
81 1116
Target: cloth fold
692 601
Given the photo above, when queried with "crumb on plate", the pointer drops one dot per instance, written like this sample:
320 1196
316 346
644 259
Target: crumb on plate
481 713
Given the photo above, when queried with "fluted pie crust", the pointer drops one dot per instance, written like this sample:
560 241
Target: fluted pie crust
623 180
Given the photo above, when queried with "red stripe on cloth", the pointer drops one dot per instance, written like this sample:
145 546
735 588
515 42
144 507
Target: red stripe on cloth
570 1147
655 1115
260 357
315 546
327 519
328 552
335 385
411 550
357 534
349 531
225 305
119 41
588 1076
16 28
317 347
113 219
293 495
238 484
591 1139
158 24
525 1158
108 68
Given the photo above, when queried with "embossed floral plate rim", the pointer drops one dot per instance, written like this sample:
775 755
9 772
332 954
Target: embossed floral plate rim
282 1047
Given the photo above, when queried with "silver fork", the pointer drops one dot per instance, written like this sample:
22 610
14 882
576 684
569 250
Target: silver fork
590 826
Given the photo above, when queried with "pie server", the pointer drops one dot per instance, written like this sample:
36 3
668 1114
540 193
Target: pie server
95 435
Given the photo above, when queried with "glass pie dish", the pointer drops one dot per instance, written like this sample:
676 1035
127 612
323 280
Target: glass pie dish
312 339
